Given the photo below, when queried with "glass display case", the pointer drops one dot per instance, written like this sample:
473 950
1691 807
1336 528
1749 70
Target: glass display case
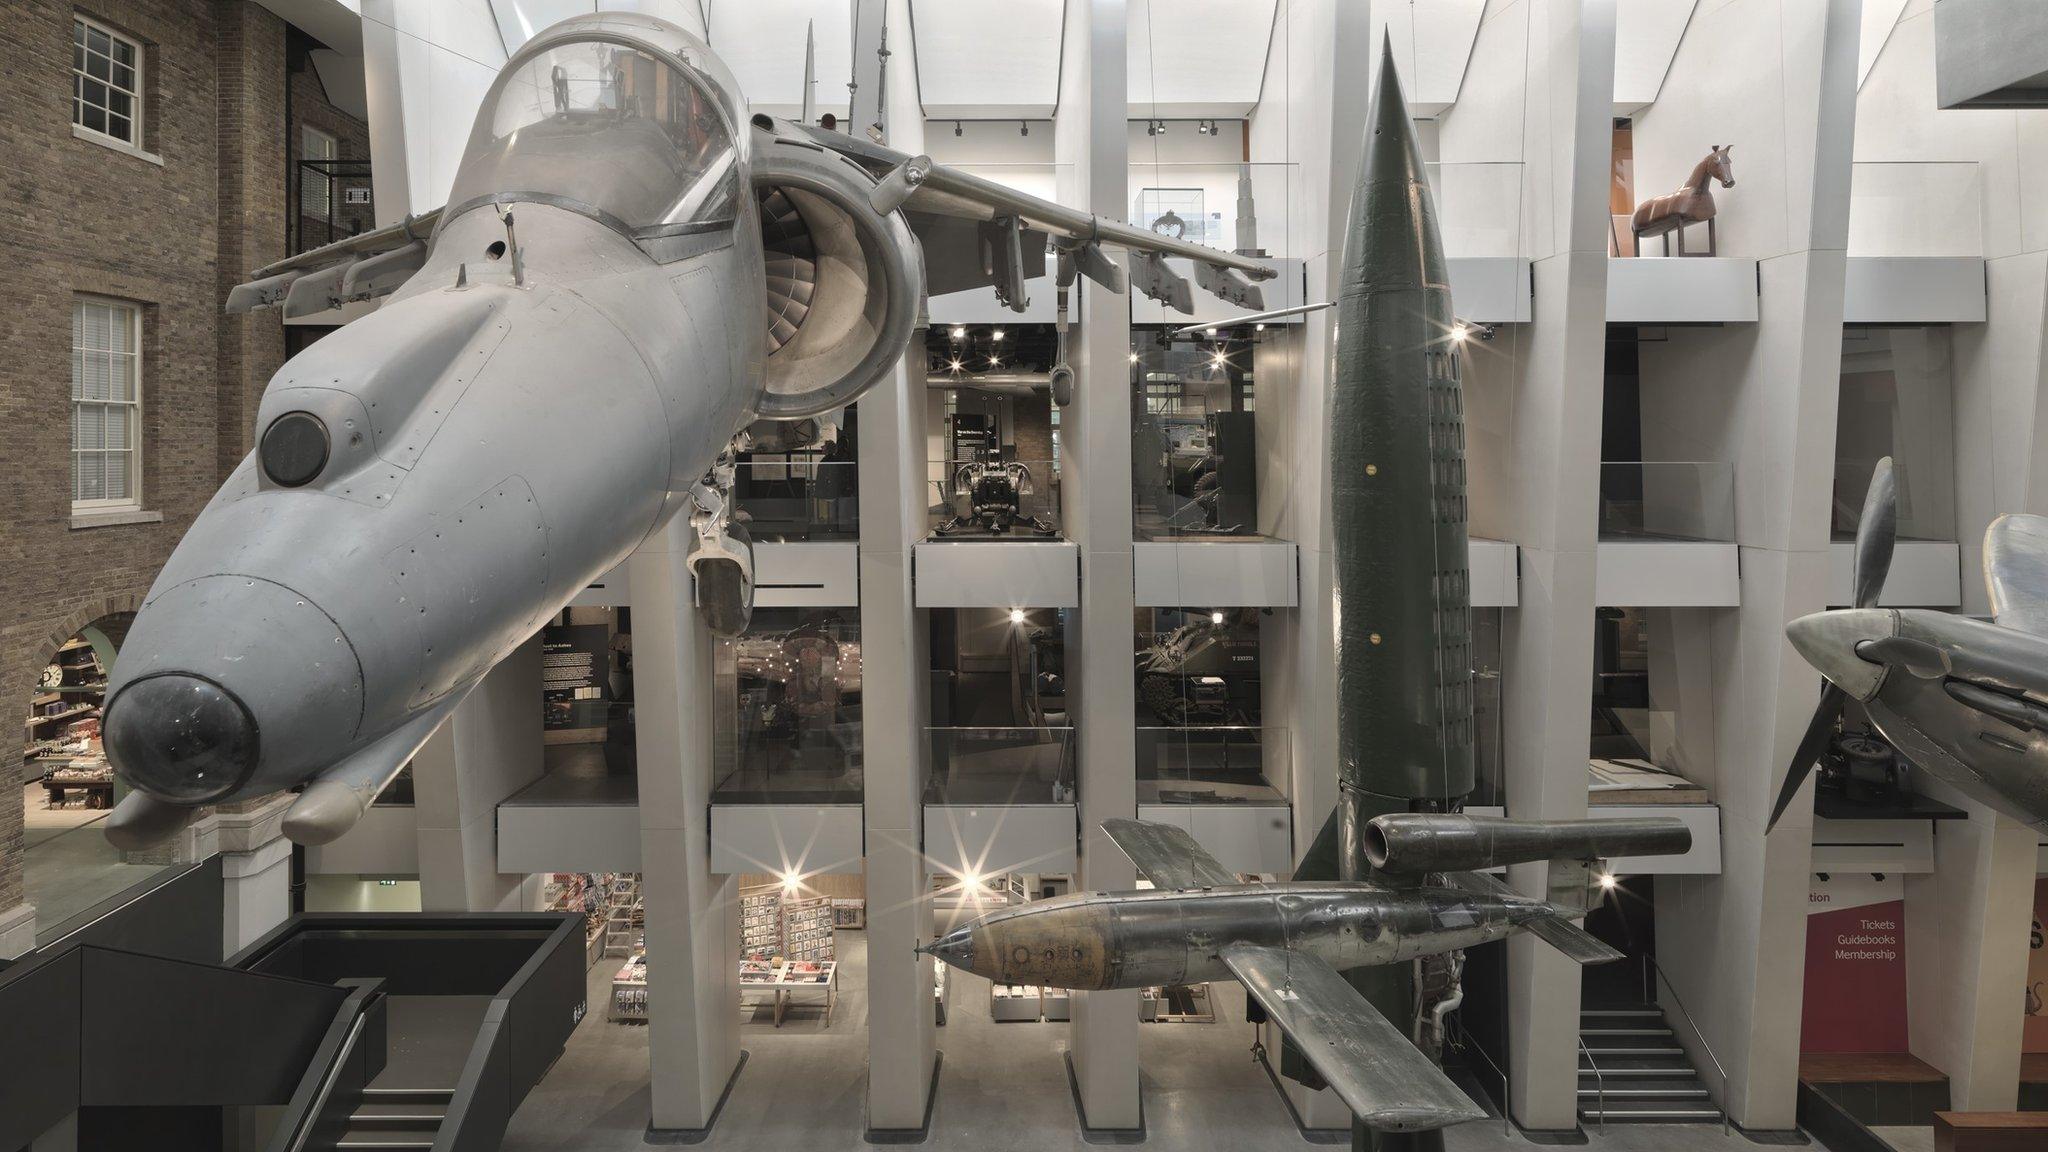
1194 436
986 766
1216 764
798 497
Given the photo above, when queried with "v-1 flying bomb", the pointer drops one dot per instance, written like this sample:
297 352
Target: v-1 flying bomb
1964 700
1289 943
630 271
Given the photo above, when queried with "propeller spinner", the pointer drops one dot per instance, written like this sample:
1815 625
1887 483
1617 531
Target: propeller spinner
1831 640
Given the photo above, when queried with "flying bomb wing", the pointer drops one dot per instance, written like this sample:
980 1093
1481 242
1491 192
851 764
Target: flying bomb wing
1577 944
977 232
1385 1081
1167 856
2016 572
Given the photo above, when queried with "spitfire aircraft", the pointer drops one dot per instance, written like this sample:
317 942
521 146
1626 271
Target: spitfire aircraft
630 272
1964 700
1289 943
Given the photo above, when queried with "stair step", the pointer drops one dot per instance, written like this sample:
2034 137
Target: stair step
1611 1013
1644 1050
363 1119
1651 1116
1674 1092
1672 1071
408 1095
1605 1032
381 1142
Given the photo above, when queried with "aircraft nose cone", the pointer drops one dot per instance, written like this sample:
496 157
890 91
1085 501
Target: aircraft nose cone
956 949
1829 642
181 738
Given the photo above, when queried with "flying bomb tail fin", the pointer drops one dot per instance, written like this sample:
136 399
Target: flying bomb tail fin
338 797
1556 930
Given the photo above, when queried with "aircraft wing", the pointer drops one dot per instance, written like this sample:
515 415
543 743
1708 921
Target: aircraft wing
360 267
2016 572
1167 856
978 232
1387 1083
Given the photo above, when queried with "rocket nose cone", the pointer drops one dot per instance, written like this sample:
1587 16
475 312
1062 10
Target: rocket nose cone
956 949
181 738
1829 641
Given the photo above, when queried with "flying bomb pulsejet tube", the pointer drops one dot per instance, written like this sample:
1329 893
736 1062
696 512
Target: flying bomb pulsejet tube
630 271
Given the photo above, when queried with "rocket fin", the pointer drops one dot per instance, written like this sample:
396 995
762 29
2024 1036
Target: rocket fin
1385 1081
1167 856
338 797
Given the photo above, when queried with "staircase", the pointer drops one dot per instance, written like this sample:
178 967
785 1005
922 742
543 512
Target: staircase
396 1118
1647 1076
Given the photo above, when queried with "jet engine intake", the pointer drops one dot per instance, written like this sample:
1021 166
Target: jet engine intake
1415 843
845 283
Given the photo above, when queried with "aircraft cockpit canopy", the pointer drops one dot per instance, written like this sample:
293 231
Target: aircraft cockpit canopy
609 129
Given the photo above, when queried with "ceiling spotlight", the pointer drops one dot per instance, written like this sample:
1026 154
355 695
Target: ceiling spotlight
1459 332
1016 615
1162 127
1215 617
1607 881
1258 327
996 335
959 333
956 127
789 881
1201 129
1023 128
1208 331
1134 357
994 363
1219 359
955 364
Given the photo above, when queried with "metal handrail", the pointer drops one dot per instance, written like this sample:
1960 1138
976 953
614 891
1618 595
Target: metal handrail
1506 1125
310 1119
1650 965
1599 1081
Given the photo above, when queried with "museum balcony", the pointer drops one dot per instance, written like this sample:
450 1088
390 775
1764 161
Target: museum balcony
1479 216
1917 241
1667 534
1218 782
1000 799
991 496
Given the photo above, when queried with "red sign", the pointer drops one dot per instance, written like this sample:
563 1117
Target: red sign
1855 965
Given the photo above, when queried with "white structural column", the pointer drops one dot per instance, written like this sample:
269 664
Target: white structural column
692 914
1312 116
902 1055
255 866
1089 143
1763 398
1553 441
487 749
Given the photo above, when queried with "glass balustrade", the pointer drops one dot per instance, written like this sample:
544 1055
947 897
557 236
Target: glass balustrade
1230 206
1675 500
1212 765
798 498
995 766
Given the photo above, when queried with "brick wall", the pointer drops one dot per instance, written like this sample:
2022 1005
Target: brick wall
76 216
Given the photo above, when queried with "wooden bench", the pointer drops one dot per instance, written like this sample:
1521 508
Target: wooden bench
1990 1131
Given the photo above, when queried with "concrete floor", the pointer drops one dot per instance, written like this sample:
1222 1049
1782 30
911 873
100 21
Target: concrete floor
68 866
803 1085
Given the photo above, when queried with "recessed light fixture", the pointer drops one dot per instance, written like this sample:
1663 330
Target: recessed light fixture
996 335
1016 615
1215 617
959 333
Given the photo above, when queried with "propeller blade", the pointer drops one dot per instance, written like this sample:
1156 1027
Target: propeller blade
1811 745
1876 530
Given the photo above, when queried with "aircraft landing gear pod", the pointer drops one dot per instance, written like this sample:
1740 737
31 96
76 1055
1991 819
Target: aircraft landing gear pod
722 562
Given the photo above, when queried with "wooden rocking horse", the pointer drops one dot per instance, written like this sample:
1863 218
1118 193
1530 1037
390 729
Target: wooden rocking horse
1691 204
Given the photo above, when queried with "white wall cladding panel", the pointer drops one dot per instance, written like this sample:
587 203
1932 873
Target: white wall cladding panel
385 842
985 840
1215 574
1242 837
1495 567
1666 574
779 838
1693 290
1924 574
1898 846
614 589
822 575
1491 289
1914 290
997 574
568 838
1703 820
